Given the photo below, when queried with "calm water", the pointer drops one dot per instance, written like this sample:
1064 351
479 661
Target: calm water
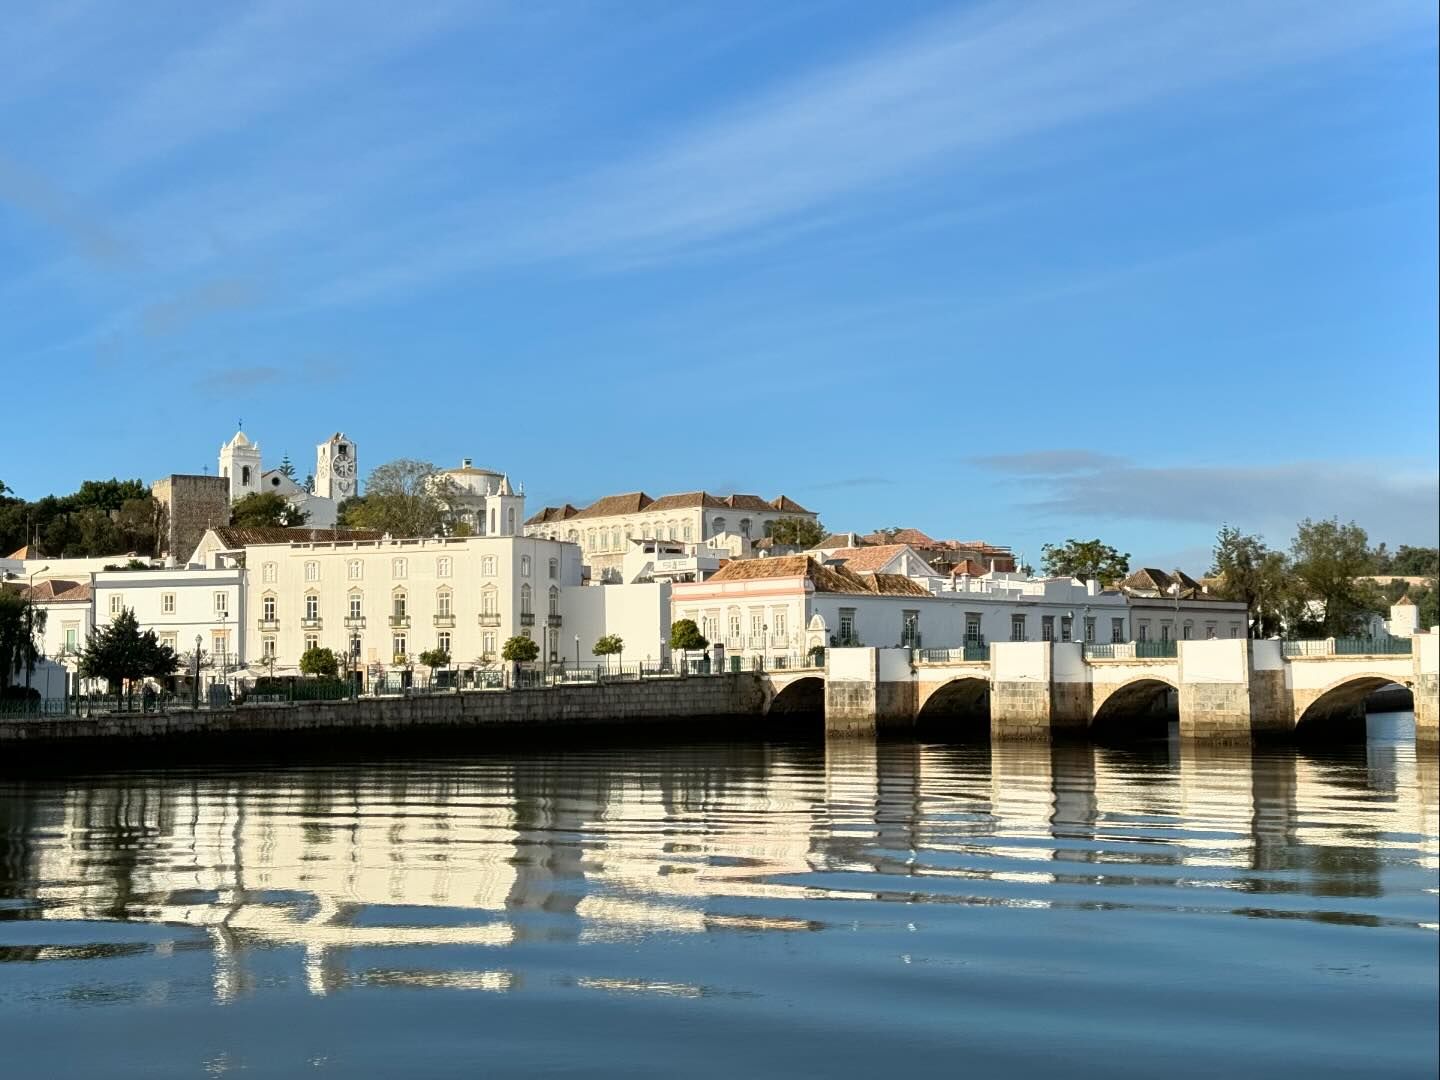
782 909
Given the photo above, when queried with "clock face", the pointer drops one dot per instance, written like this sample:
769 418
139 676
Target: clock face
343 467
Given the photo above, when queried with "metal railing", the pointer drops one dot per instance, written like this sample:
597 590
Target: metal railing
444 620
489 618
399 622
1131 650
971 651
1348 646
355 622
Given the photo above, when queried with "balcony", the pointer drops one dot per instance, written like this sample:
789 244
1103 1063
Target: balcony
271 625
552 620
527 618
400 622
310 624
444 620
355 622
489 618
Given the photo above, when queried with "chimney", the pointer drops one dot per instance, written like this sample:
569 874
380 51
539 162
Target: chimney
465 463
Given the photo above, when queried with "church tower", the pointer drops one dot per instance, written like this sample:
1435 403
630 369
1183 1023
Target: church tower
336 468
240 464
505 510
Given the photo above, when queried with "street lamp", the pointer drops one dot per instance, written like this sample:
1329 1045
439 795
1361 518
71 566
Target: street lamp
577 652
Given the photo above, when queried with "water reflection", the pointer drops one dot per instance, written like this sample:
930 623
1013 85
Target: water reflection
461 871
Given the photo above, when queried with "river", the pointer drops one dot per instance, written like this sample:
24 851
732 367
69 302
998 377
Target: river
720 910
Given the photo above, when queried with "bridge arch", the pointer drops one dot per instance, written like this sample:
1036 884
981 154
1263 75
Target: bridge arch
801 699
1144 705
1337 711
957 709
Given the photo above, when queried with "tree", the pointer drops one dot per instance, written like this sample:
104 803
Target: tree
685 636
267 509
402 498
1326 559
120 653
287 468
434 658
1407 562
608 645
520 650
1250 572
800 532
319 661
1086 560
20 622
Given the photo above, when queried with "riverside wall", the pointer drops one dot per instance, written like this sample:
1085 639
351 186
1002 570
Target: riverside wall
677 705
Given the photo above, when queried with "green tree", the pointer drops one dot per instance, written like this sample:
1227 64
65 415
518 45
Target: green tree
1326 559
403 498
267 509
1250 572
800 532
609 645
121 653
287 468
20 625
1086 560
319 661
520 650
685 636
434 658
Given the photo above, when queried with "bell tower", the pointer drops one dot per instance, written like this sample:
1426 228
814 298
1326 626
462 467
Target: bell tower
240 465
336 468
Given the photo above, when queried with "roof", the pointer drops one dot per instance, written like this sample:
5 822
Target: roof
831 579
1158 581
1405 601
913 537
635 502
632 502
870 558
235 537
552 513
789 505
968 566
23 553
60 591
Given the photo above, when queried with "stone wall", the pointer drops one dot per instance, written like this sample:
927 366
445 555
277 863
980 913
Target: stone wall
1215 712
680 705
1427 709
190 505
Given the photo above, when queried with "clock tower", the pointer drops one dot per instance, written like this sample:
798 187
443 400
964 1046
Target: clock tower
336 468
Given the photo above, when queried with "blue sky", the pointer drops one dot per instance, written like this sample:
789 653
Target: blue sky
1004 271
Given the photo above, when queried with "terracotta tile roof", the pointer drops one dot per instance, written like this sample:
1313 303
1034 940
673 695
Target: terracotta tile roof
788 505
552 513
839 540
235 537
60 591
832 579
1149 579
870 558
630 503
913 537
746 502
687 500
968 566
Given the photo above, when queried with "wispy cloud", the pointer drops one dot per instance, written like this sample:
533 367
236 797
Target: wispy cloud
1393 503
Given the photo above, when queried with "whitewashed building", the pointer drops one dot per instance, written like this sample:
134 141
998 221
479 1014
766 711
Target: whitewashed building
381 603
69 618
183 606
482 500
336 477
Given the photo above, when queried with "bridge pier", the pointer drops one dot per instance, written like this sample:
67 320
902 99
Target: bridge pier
869 692
1427 689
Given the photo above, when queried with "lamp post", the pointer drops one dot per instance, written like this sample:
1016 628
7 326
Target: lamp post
30 629
577 652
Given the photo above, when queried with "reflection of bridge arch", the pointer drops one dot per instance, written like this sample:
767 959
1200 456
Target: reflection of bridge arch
1144 702
1337 711
805 697
958 707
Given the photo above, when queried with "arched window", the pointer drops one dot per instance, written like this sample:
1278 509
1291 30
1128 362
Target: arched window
718 526
615 537
574 536
525 607
554 569
745 527
590 540
355 569
524 565
244 475
554 600
312 571
510 521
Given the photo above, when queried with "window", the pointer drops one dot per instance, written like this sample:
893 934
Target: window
218 641
442 603
167 603
1209 631
312 571
745 527
398 603
1017 627
222 605
525 608
972 627
355 570
1090 629
847 625
524 565
168 640
312 641
1234 631
689 532
1117 631
355 645
1164 631
442 642
614 540
1047 627
910 629
244 475
357 603
734 621
487 644
493 519
777 624
117 603
719 526
1143 633
554 569
312 606
269 572
267 647
1186 630
72 635
487 600
1066 628
399 568
399 647
510 521
487 566
554 600
442 566
267 607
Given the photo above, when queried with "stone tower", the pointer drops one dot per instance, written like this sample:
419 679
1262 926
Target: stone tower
240 464
337 473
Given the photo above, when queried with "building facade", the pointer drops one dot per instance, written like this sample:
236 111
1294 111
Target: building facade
184 607
482 500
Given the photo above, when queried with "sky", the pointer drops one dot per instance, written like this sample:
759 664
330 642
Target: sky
1004 271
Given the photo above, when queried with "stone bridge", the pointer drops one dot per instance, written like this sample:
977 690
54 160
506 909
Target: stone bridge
1223 690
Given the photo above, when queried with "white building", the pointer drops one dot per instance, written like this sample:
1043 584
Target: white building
482 500
382 602
669 560
69 618
336 477
183 606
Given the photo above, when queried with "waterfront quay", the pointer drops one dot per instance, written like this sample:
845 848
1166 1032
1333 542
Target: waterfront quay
1220 691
